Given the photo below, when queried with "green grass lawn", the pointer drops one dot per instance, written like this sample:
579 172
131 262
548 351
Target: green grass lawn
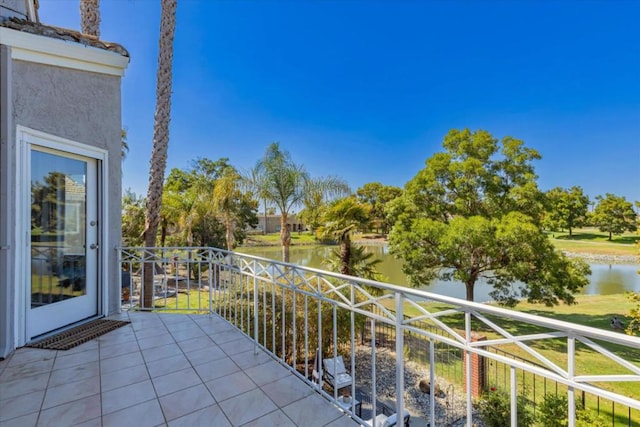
590 240
273 239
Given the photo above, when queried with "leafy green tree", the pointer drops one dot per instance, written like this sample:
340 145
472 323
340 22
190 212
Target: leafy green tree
132 219
614 215
341 219
567 209
317 193
475 212
200 202
378 196
283 183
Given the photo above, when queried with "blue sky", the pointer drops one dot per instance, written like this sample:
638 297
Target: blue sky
366 90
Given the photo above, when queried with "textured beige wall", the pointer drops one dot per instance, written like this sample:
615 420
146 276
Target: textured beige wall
84 107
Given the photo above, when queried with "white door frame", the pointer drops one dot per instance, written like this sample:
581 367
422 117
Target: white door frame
25 137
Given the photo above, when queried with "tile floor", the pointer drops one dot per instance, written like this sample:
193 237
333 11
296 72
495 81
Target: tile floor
162 369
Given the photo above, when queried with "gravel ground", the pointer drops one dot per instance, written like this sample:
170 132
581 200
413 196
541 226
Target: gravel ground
450 406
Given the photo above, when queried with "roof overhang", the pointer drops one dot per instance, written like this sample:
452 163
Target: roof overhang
62 53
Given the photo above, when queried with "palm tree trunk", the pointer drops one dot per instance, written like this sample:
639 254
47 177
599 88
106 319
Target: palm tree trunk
229 234
160 138
90 17
265 217
345 255
285 237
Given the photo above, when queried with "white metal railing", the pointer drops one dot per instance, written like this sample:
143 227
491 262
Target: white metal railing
286 309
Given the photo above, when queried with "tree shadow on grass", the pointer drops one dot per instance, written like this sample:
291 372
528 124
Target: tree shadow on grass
627 240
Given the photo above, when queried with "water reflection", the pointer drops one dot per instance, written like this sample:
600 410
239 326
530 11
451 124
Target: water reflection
605 279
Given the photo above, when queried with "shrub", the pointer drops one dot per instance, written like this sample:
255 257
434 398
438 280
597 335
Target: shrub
494 407
554 412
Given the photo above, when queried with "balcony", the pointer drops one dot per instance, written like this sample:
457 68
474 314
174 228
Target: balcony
232 339
161 369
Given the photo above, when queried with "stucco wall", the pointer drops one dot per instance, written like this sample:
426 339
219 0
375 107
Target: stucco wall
84 107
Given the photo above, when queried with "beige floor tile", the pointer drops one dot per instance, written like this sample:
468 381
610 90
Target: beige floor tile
237 346
286 390
124 377
146 414
312 411
162 352
247 407
71 413
71 391
231 385
168 365
196 344
275 418
26 385
155 341
207 354
226 336
249 359
117 363
183 402
70 360
89 345
96 422
21 405
267 372
167 384
75 373
217 368
118 349
345 421
30 369
188 334
25 355
28 420
209 416
123 397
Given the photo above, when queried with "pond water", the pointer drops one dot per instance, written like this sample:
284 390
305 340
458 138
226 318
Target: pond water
605 279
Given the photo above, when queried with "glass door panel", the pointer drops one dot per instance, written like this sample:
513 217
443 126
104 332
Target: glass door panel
63 238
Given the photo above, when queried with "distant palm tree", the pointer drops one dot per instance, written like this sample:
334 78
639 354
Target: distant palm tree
256 182
317 193
341 219
90 17
226 200
160 137
283 183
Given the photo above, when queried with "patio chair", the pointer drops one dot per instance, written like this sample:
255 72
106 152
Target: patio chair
383 420
335 373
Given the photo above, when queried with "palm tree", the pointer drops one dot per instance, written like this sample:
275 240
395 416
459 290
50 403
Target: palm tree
283 184
160 137
226 198
90 17
318 192
343 217
256 182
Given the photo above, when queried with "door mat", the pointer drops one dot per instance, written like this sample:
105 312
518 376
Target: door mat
78 335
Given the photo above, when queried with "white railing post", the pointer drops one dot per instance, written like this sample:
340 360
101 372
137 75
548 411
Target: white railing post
374 396
514 397
256 314
467 338
212 273
399 359
432 383
571 355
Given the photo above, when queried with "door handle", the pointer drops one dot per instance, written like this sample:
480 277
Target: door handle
93 246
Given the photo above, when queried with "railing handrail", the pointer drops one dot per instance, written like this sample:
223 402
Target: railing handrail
568 327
